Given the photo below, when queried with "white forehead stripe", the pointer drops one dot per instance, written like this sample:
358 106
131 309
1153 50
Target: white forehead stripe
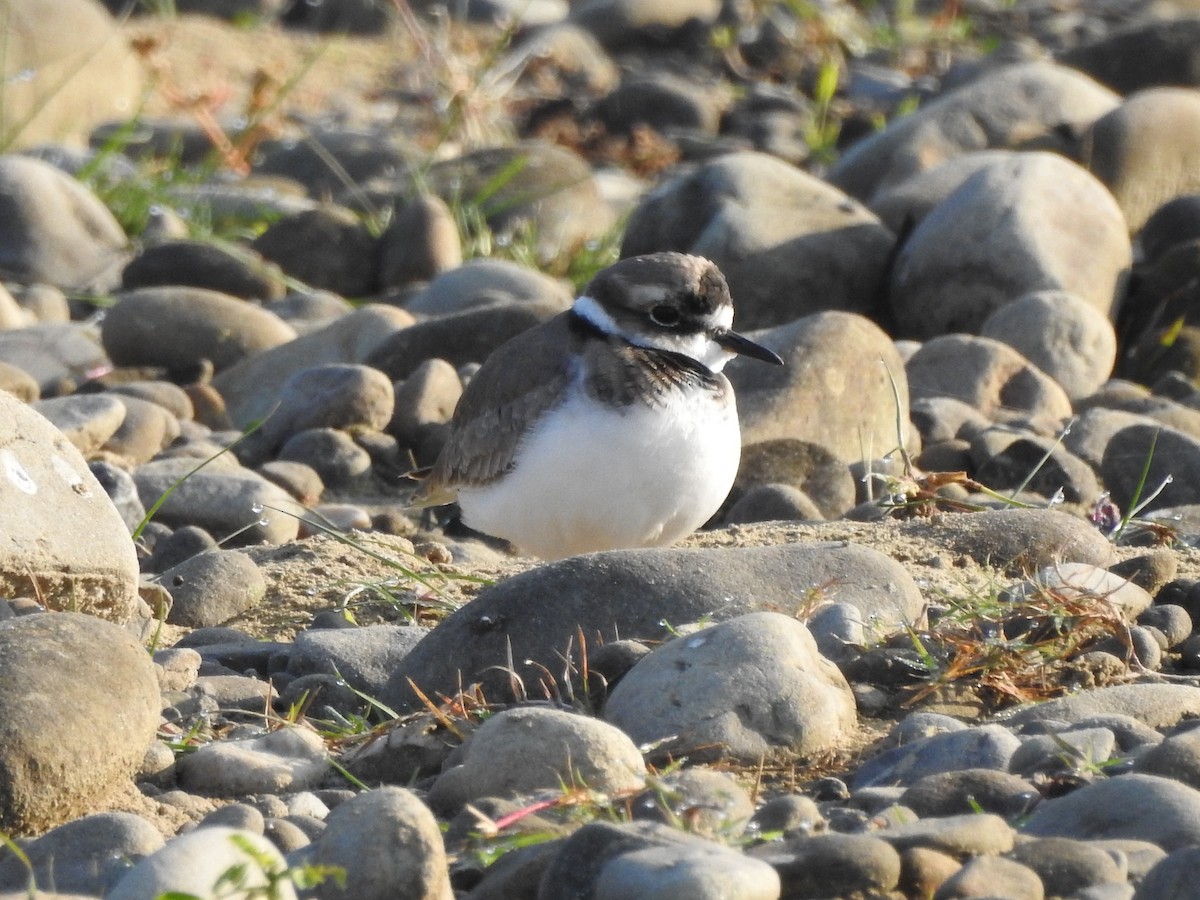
594 313
699 347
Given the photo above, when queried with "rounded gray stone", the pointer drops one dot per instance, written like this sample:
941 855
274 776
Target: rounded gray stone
702 873
333 395
941 418
1034 223
979 747
240 273
834 390
526 749
79 704
1062 334
963 791
1146 52
1005 108
962 836
177 327
824 478
425 402
178 546
788 243
791 814
715 805
1006 458
221 501
393 829
86 420
84 856
1177 757
751 688
54 230
420 243
578 866
986 374
1140 458
290 759
146 430
903 205
1094 428
1173 878
1025 540
482 282
772 503
1066 750
987 876
459 338
1156 705
829 865
1142 150
1144 807
331 452
242 816
251 387
1066 867
328 248
54 354
364 656
544 188
166 394
193 864
212 588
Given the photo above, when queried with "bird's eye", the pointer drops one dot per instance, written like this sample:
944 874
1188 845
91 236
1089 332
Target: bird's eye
664 315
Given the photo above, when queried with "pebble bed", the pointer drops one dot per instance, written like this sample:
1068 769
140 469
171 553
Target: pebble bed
945 652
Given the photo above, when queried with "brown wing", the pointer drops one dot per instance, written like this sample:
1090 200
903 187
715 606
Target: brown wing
499 406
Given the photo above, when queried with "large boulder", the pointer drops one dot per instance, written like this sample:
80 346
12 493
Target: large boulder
62 541
1002 109
788 243
79 705
54 230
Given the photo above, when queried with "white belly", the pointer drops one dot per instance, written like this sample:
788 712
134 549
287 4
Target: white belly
590 477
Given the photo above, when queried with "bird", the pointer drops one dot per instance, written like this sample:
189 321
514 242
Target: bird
609 426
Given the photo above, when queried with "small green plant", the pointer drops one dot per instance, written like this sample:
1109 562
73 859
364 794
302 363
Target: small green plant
12 847
484 852
1138 503
162 9
822 135
164 183
1076 760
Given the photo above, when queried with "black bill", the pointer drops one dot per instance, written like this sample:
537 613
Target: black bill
743 346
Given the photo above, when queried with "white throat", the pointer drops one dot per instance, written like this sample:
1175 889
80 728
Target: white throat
699 347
